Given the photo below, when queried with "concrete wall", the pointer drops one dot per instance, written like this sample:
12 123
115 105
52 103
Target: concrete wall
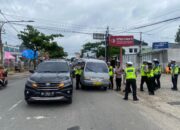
174 54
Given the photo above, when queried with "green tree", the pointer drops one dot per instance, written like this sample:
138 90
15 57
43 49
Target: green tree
99 49
178 36
38 41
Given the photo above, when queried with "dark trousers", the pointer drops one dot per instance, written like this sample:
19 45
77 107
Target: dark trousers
174 81
130 83
151 85
143 80
118 83
77 81
157 81
111 81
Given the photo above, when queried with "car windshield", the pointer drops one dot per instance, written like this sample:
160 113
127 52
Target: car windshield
53 67
96 67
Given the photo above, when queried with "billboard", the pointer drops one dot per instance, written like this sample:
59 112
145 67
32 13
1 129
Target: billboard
160 45
119 41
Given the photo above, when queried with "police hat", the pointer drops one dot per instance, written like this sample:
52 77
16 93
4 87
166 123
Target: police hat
129 63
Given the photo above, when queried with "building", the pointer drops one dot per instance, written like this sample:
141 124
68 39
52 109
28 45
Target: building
14 50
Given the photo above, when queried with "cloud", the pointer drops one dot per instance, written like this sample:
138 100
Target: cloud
94 16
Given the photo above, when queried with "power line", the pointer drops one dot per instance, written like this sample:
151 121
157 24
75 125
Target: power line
159 22
9 22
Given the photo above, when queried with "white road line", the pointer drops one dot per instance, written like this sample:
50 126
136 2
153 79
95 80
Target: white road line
15 105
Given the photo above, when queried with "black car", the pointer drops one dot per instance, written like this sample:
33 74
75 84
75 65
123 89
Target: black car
50 81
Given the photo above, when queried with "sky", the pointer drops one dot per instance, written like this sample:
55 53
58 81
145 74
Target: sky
78 19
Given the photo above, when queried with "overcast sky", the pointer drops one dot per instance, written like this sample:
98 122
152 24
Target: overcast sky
88 16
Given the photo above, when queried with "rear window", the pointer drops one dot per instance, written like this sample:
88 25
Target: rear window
96 67
53 67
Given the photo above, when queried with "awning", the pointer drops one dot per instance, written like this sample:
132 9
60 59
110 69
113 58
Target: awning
8 56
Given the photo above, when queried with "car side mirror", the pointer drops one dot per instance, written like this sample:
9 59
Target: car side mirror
31 71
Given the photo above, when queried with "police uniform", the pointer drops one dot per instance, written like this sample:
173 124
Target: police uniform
111 75
78 72
130 74
174 73
150 79
143 76
157 76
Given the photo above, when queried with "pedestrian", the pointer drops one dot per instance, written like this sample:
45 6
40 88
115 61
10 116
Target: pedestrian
157 73
174 73
150 78
130 74
143 75
78 72
111 75
118 72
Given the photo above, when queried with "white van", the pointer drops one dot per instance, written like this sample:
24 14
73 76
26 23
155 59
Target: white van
95 74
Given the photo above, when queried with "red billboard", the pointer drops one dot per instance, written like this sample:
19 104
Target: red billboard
119 41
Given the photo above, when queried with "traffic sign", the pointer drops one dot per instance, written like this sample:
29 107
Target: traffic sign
99 36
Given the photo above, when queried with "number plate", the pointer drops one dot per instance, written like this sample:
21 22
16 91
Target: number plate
47 94
97 83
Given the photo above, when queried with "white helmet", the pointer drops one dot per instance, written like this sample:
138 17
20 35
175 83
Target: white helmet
129 63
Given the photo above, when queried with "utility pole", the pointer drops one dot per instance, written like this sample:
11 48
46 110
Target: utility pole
107 44
140 48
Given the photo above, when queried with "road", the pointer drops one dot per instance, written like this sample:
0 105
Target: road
90 110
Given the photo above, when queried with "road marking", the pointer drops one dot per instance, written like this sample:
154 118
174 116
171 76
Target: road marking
0 117
28 118
12 118
39 117
15 105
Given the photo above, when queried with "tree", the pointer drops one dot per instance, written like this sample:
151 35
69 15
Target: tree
38 41
99 49
178 36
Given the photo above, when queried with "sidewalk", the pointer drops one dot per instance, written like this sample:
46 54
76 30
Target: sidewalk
13 74
165 101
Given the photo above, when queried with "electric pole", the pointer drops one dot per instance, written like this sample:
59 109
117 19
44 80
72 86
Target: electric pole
107 44
140 48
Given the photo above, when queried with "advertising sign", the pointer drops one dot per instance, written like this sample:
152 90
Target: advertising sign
119 41
160 45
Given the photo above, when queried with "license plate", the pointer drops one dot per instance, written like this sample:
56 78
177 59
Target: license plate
47 94
97 83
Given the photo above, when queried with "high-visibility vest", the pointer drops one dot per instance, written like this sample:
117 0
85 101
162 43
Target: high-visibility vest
150 73
78 72
175 69
111 72
142 70
130 73
157 70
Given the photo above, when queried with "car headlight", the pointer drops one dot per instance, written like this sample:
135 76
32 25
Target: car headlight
65 83
32 83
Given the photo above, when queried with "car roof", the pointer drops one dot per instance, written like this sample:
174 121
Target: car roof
94 60
55 60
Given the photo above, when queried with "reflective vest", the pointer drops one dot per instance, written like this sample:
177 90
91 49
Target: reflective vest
111 72
157 70
150 73
175 69
130 73
78 72
142 70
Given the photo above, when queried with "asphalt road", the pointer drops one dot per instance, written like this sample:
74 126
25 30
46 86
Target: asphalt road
90 110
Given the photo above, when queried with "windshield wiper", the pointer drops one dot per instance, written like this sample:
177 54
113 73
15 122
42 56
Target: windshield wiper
91 70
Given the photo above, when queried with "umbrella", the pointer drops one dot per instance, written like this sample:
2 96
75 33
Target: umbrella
29 54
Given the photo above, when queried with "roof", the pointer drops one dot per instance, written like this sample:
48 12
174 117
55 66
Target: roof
94 60
55 60
138 42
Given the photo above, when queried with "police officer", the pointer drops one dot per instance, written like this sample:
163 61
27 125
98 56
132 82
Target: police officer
111 75
150 78
157 73
174 73
143 75
130 75
78 72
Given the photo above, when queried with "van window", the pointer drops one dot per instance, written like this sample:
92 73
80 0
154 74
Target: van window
96 67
